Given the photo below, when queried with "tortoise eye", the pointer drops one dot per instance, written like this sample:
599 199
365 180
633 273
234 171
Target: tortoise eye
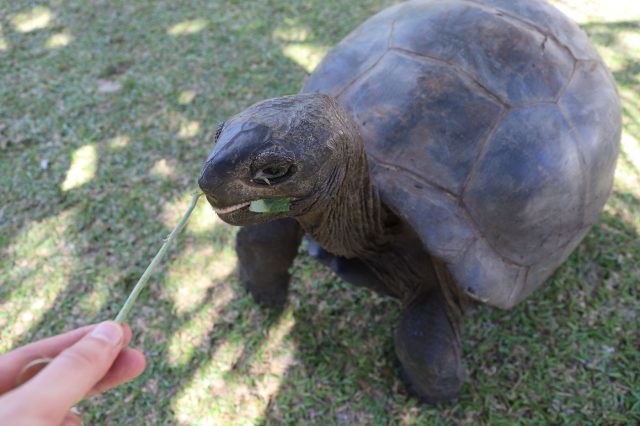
273 173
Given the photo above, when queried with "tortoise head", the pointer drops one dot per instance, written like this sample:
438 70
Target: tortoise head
279 158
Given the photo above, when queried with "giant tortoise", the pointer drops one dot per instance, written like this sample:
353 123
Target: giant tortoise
446 151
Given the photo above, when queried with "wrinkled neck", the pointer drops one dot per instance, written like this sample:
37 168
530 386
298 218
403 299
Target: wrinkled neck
349 218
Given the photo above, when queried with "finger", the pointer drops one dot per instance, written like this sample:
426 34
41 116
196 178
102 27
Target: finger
72 374
127 334
129 364
12 362
72 419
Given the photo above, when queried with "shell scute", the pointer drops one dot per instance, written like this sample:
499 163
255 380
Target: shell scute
516 62
527 192
596 120
420 118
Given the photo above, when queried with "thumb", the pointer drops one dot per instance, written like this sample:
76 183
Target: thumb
72 374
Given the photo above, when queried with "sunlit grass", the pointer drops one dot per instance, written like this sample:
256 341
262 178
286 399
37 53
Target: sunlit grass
191 336
83 167
186 97
119 142
95 298
208 384
196 272
44 260
58 40
35 19
584 11
232 401
189 129
188 27
630 40
173 211
631 152
291 32
162 168
203 220
296 47
4 45
308 56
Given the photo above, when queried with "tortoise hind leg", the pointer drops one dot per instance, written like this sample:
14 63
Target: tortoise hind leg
354 271
428 346
265 253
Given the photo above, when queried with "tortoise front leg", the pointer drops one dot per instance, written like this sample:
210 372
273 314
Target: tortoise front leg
428 345
265 253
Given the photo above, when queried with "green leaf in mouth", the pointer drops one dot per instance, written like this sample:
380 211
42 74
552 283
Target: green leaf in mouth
273 205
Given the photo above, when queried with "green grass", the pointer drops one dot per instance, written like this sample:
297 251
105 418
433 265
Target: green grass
107 110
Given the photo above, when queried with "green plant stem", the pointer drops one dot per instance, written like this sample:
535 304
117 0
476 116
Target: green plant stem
124 311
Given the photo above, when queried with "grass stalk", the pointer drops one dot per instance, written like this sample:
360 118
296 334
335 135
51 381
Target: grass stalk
128 304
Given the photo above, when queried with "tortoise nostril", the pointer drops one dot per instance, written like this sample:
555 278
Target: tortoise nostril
207 181
202 182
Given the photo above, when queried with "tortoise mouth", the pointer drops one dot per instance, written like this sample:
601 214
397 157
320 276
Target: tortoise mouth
237 214
230 209
255 211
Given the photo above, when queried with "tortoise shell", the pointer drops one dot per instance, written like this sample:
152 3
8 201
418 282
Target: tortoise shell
492 128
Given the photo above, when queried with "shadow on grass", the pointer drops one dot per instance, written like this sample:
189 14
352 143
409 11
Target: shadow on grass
517 360
122 196
345 369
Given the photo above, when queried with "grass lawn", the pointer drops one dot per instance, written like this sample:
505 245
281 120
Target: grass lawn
107 110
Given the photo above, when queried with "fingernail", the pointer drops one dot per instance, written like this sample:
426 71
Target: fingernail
108 331
72 420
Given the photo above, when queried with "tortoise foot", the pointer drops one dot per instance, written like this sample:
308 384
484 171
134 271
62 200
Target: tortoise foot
428 347
267 294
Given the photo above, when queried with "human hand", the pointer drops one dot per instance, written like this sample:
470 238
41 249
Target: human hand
85 362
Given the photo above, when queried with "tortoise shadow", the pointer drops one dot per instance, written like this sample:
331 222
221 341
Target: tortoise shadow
353 338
